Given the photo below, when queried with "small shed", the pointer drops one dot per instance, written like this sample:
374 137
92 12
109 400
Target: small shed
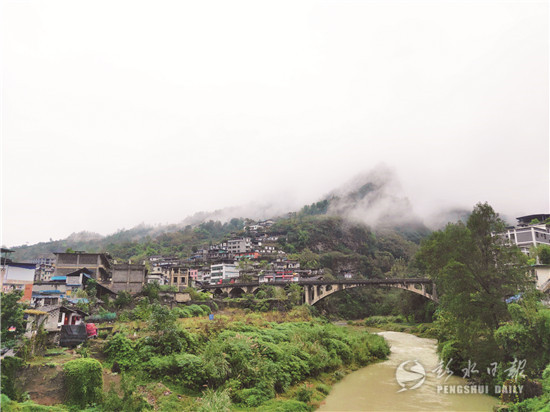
54 316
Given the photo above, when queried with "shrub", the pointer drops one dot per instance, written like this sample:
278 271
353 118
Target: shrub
84 382
191 311
123 299
206 309
278 405
10 365
151 291
9 405
171 341
253 397
131 400
304 394
102 334
188 369
141 312
196 310
180 312
120 349
198 296
162 319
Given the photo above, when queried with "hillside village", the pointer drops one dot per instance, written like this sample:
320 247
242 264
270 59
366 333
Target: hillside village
253 254
74 296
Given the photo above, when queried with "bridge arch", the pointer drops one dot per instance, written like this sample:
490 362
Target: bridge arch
315 293
219 292
236 292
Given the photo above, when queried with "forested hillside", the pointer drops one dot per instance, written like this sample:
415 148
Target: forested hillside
363 223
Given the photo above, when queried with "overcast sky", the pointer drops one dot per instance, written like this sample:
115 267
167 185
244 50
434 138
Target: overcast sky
121 112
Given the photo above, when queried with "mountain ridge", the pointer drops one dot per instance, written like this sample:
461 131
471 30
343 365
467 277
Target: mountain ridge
371 199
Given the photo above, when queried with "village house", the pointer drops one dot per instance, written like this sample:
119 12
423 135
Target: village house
203 274
98 263
179 277
43 272
285 266
216 253
271 276
128 277
52 317
58 288
157 276
239 245
530 232
222 273
45 267
16 276
193 274
526 234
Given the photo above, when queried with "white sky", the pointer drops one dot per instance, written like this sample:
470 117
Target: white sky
121 112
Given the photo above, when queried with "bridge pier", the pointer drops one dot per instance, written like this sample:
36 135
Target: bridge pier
313 291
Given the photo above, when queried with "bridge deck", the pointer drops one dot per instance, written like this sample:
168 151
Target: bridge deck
381 282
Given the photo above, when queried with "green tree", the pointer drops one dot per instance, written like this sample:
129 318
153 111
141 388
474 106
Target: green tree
84 382
295 294
474 271
543 253
91 288
244 265
12 317
123 299
527 335
308 259
151 291
162 319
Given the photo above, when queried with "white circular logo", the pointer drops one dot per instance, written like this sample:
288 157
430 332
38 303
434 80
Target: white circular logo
410 375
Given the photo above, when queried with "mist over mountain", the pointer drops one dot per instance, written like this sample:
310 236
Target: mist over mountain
374 198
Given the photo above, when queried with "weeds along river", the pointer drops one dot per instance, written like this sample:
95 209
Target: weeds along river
375 387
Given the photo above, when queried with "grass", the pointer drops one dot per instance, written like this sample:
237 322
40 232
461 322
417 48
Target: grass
306 395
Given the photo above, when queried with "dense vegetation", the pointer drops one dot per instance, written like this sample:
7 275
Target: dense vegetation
84 382
489 314
237 360
138 242
252 362
12 323
476 274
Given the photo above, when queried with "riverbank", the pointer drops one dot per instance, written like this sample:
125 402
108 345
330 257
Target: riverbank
237 361
396 324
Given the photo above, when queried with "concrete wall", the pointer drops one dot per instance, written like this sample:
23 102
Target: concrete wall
71 262
130 278
542 273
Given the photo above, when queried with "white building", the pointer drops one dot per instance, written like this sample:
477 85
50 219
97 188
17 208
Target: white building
223 272
526 235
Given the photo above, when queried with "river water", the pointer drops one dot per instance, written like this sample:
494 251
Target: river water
375 387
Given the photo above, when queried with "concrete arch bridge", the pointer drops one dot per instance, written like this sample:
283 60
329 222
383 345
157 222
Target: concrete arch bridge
315 290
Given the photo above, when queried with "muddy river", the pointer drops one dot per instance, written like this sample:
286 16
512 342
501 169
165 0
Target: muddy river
421 387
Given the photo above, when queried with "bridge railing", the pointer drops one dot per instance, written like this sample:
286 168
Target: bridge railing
386 281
